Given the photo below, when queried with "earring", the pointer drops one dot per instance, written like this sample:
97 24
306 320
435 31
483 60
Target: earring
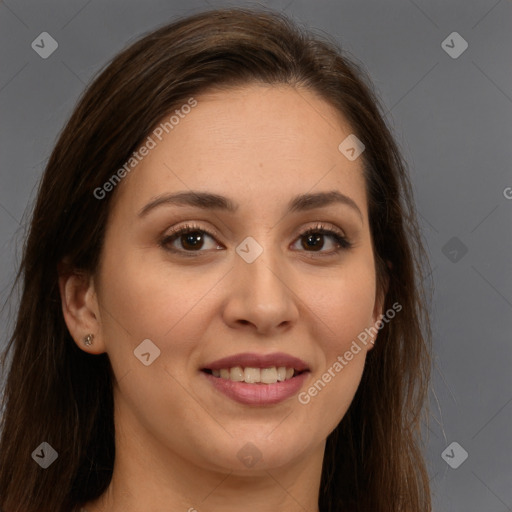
88 339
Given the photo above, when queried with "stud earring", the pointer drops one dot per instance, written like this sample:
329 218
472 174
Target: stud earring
88 339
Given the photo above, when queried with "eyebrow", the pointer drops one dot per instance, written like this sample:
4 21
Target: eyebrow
209 201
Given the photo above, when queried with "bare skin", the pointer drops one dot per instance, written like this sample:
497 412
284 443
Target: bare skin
178 439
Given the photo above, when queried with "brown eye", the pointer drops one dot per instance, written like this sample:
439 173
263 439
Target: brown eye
313 240
191 239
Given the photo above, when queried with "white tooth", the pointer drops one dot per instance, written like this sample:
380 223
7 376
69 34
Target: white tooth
224 373
289 373
269 375
237 374
216 373
252 375
281 373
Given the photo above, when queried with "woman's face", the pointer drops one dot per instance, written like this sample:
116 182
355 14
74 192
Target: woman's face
244 284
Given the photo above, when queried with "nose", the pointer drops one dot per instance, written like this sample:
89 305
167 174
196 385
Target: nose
260 296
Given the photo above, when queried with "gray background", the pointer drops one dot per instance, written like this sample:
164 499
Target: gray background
453 120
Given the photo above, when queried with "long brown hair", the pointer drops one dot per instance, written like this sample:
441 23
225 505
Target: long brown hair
57 393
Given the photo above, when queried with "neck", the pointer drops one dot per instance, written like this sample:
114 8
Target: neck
272 490
145 479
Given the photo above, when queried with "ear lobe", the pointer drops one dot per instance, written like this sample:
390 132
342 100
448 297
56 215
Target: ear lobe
80 308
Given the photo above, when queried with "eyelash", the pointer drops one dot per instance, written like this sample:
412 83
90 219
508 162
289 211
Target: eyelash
341 241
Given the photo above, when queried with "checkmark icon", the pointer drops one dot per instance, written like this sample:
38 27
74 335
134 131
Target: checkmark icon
146 352
44 455
249 455
454 249
44 45
454 45
454 455
249 249
351 147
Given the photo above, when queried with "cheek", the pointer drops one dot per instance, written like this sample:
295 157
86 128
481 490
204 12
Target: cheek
341 305
342 309
150 300
147 301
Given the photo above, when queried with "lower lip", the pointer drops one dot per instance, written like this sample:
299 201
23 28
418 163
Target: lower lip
258 394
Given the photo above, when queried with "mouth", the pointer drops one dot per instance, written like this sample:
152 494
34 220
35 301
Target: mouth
255 379
252 375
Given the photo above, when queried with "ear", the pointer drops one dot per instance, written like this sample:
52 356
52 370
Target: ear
378 310
80 308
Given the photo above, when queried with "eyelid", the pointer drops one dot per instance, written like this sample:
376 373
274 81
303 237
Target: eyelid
192 226
175 232
213 232
330 230
327 228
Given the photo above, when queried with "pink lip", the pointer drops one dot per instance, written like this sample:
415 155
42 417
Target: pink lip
258 361
258 394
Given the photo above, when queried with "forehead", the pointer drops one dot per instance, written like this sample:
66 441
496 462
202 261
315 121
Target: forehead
259 144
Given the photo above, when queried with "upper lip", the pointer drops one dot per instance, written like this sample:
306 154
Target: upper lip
254 360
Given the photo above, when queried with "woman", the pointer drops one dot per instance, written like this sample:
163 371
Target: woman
221 298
